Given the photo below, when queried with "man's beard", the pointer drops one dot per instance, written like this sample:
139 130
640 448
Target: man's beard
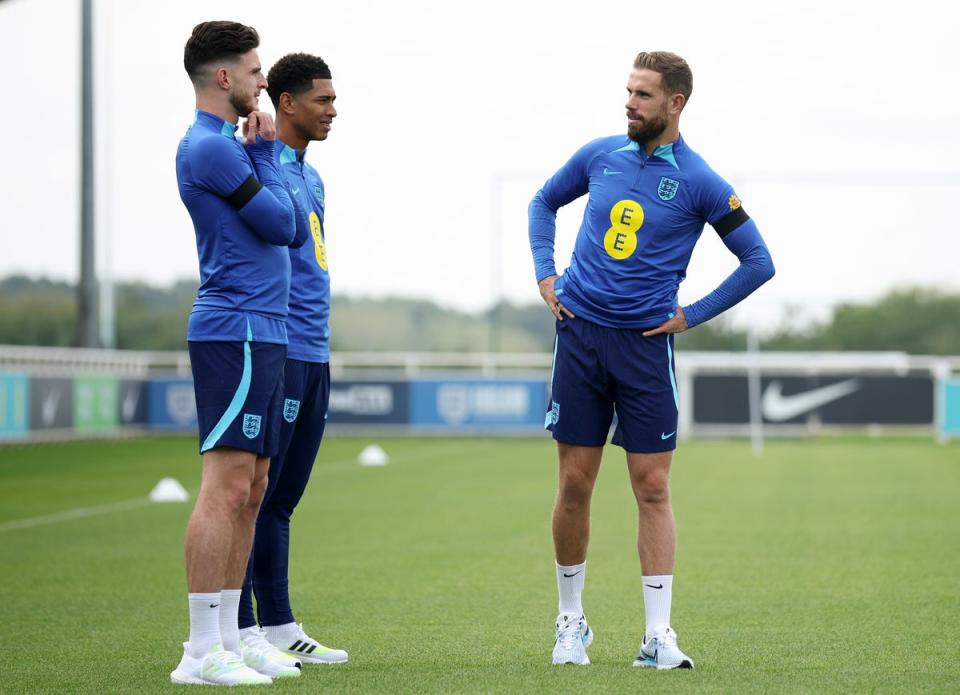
242 105
647 130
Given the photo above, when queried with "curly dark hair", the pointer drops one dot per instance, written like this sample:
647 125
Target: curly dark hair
294 74
216 40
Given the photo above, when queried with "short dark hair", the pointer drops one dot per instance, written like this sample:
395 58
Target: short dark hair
295 73
211 41
676 74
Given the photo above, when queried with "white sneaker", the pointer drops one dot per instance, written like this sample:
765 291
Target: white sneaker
264 658
217 667
573 638
661 652
291 639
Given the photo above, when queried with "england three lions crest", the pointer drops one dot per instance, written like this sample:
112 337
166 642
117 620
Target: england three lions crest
251 425
290 409
667 189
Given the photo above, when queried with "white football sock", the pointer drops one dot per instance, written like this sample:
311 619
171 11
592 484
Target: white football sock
230 620
570 586
657 596
252 630
281 635
204 623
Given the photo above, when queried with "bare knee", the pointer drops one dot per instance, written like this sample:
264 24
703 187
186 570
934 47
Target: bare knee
652 490
576 488
228 476
228 498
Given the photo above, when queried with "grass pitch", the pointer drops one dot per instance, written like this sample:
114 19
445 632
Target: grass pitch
825 566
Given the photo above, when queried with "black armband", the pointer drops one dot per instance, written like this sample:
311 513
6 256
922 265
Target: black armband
245 191
728 223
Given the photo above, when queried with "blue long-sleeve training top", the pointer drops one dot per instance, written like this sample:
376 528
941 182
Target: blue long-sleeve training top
244 221
308 324
643 217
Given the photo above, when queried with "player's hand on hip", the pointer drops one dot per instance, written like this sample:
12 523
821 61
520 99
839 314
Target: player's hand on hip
550 297
677 324
259 123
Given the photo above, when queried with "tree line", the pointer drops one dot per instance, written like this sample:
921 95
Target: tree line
42 312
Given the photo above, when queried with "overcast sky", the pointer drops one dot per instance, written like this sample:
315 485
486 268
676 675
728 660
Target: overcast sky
836 121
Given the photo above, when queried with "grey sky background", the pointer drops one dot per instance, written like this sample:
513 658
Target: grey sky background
836 121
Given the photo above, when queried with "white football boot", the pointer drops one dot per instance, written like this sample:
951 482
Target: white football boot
573 638
216 667
291 639
264 658
661 652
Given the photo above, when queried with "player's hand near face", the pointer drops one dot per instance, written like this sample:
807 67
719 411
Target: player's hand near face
550 297
678 324
259 123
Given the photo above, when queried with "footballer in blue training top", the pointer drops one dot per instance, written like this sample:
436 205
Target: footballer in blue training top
301 89
650 196
244 223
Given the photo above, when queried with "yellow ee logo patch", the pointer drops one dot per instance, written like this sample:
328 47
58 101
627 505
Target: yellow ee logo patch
733 202
316 229
626 218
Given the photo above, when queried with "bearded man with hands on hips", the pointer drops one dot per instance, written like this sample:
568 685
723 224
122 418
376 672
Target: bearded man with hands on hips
616 307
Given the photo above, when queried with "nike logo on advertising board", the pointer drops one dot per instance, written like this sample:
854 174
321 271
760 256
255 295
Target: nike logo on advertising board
776 407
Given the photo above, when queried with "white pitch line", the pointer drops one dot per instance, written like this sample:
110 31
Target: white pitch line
70 514
126 505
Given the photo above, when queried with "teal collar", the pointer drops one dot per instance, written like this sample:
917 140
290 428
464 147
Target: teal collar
288 155
664 152
226 129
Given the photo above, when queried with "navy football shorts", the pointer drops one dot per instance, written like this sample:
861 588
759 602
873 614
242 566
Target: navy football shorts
598 371
239 391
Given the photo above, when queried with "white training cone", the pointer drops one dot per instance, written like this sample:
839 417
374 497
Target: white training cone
373 455
169 490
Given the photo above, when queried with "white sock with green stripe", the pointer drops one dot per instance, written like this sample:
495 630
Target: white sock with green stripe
204 622
230 619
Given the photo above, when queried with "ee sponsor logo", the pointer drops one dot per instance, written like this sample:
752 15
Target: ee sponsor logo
626 218
316 229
